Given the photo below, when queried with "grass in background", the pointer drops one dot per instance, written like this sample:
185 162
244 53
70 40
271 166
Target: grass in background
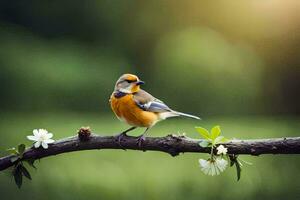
117 174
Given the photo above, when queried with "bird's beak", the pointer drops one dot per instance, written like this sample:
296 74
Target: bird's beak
140 83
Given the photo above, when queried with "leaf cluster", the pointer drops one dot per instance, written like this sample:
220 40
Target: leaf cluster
212 138
19 170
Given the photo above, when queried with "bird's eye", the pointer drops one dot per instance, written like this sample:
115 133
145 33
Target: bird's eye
129 81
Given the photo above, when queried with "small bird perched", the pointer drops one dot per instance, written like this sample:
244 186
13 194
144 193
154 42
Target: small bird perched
138 108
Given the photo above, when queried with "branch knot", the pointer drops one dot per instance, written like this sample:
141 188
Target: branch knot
84 133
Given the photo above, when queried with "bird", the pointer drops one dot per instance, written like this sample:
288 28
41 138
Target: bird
138 108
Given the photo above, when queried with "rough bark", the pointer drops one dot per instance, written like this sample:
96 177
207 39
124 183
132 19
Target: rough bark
170 144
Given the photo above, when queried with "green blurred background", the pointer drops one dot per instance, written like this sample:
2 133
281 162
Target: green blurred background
234 63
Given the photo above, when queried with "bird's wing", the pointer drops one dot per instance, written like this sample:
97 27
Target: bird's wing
147 102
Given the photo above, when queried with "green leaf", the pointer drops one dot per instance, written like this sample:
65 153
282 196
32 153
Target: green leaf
17 173
31 163
204 143
204 133
246 162
218 139
25 172
12 151
231 163
21 149
233 159
14 159
224 140
238 170
215 132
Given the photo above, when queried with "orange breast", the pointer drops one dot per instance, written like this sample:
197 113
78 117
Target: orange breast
126 109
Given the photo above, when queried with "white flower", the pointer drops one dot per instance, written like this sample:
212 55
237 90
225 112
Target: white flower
213 167
222 150
41 137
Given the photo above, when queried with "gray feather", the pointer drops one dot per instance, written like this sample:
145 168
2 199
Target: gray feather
147 102
187 115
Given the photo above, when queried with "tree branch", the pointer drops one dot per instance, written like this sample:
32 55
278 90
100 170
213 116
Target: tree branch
170 144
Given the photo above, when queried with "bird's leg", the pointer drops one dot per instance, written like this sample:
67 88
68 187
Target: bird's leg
130 129
141 138
123 134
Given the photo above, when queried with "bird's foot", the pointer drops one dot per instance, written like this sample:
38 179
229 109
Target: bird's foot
140 140
119 139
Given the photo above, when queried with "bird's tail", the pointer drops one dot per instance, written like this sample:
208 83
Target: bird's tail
187 115
166 115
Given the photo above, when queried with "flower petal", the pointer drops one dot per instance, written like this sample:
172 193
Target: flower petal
213 169
49 135
44 145
221 164
37 144
205 170
49 141
31 137
35 132
43 132
222 150
202 162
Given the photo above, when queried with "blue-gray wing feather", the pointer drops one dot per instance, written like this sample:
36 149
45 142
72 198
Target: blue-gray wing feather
149 103
154 106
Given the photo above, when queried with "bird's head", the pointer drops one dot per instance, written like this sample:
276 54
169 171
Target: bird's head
128 83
